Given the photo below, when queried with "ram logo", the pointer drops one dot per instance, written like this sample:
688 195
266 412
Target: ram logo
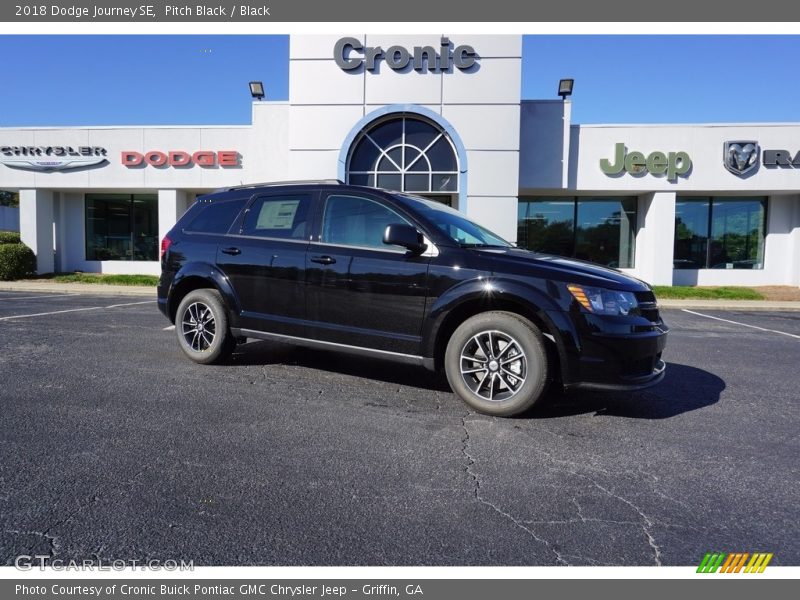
740 157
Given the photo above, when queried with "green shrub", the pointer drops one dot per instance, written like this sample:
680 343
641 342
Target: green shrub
16 261
9 237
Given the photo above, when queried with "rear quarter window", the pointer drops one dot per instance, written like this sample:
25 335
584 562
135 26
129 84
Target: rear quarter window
216 217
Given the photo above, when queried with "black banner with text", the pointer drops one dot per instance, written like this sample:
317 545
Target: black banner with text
408 11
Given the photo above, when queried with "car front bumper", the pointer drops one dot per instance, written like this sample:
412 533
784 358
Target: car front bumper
614 353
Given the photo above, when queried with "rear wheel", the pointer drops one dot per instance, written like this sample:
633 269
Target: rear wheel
497 363
201 324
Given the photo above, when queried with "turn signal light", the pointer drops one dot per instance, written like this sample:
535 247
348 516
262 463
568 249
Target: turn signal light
579 294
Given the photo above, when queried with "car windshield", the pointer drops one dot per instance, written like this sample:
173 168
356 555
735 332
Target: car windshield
455 225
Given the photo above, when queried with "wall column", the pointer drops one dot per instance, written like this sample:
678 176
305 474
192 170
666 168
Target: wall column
794 237
655 241
36 226
171 205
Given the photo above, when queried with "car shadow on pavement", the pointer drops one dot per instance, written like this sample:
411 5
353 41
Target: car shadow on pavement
265 353
683 389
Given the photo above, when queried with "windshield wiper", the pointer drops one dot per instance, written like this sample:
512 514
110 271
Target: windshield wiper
481 245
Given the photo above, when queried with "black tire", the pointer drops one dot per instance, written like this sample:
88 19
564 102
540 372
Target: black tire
212 341
516 385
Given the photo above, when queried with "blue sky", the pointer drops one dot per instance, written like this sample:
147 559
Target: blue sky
132 80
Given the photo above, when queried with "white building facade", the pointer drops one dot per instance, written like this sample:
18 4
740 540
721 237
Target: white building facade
440 116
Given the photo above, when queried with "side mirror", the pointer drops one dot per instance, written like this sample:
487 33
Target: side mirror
400 234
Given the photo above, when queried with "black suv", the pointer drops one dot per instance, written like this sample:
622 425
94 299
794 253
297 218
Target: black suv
391 275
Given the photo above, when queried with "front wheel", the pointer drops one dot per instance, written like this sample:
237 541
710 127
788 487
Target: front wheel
496 362
201 324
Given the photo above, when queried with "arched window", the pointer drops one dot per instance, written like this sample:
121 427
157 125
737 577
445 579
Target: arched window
406 154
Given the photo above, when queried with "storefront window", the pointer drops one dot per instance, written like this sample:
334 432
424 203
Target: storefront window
605 231
121 227
600 230
720 233
691 233
548 226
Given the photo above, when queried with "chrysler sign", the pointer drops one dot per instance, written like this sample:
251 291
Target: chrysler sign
53 158
349 54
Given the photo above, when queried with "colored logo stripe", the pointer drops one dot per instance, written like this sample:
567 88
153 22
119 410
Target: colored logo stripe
733 562
758 563
711 562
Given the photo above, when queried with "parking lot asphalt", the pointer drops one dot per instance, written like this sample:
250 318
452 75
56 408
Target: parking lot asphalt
114 446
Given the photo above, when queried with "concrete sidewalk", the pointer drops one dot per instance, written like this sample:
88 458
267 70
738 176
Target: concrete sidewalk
89 289
98 289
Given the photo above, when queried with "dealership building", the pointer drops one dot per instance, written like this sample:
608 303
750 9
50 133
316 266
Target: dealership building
440 116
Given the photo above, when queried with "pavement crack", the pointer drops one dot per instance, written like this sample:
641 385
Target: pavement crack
646 524
50 539
476 490
92 499
581 519
655 480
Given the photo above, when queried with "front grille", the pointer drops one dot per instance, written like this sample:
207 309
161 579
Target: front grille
648 307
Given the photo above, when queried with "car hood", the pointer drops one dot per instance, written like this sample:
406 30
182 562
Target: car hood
561 268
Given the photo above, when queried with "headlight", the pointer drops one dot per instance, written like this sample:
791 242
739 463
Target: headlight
600 301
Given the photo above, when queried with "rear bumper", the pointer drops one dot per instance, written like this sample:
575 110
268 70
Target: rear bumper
162 292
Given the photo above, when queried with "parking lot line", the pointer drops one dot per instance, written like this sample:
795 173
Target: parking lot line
686 310
36 297
69 310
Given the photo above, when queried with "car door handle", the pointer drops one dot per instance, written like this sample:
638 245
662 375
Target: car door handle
232 251
323 260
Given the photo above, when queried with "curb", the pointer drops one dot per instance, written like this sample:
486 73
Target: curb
748 305
85 289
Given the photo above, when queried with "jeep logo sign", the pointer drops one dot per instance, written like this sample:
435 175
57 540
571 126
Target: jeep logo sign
671 164
349 54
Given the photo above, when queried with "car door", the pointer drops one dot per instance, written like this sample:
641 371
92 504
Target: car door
360 291
265 261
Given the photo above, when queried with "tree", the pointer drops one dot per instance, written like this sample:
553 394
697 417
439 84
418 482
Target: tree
9 198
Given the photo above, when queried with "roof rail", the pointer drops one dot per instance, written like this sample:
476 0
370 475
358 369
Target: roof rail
274 183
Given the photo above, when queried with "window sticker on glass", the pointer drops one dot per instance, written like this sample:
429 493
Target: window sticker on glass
277 215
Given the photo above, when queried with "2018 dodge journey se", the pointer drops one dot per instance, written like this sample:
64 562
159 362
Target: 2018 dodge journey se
386 274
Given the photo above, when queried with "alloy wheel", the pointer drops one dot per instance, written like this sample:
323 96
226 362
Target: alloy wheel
198 327
493 365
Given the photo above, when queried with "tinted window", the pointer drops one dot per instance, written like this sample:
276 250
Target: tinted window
720 233
547 225
737 233
691 233
216 217
600 230
284 217
605 231
354 221
121 227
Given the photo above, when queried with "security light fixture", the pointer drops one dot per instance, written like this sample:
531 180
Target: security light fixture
257 90
565 88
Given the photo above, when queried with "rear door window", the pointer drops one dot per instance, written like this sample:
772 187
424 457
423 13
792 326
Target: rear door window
216 217
280 217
